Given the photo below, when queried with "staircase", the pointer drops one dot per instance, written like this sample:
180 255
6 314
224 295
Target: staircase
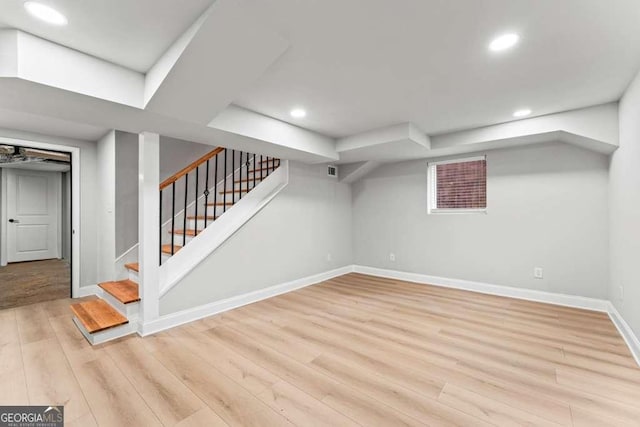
114 314
206 189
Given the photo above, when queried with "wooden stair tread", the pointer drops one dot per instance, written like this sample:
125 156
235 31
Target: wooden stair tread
228 203
124 291
202 217
166 249
189 232
97 315
134 266
262 169
237 190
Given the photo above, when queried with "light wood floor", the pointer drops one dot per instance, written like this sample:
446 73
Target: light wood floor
355 350
26 283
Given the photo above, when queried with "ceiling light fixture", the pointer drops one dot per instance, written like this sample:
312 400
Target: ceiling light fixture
503 42
298 113
45 13
522 113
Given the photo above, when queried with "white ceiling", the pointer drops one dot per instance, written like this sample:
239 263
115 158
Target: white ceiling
359 65
132 33
362 64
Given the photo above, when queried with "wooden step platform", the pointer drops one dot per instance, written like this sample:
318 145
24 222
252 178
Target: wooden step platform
237 190
238 181
166 249
261 169
124 291
191 233
97 315
202 217
133 266
222 203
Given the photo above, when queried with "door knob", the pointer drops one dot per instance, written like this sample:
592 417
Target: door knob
14 221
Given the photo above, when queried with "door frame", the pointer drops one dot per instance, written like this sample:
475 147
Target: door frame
75 205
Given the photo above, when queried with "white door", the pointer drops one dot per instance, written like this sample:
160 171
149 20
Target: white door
33 212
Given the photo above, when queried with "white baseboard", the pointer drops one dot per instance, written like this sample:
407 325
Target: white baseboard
625 330
189 315
601 305
486 288
525 294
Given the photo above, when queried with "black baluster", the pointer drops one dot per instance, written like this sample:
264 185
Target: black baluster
254 168
206 196
173 214
245 165
224 193
233 176
160 241
184 215
196 197
267 166
239 178
215 190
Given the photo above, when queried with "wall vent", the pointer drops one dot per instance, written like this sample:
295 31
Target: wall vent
332 171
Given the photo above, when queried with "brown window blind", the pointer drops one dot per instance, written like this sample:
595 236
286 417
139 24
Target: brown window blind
459 184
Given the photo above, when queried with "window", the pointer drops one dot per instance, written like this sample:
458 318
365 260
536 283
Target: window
458 185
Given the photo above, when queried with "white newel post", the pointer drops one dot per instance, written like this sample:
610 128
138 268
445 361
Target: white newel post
149 226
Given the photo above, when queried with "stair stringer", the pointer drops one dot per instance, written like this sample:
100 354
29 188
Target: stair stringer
206 242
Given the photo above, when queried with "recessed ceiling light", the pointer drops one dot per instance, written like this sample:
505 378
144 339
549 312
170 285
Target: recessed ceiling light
503 42
522 113
298 113
45 13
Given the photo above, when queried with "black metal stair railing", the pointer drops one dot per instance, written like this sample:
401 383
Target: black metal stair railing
211 164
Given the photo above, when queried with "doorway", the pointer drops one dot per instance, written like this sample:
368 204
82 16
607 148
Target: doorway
36 240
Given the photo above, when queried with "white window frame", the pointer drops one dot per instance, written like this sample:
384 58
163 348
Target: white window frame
432 181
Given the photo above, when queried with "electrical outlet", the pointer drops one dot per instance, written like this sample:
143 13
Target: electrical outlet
329 258
392 257
621 293
537 272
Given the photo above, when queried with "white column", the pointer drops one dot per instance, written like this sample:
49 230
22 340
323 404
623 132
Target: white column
149 226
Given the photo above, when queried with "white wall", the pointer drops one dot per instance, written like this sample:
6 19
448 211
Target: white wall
126 192
89 190
547 207
624 205
176 154
106 207
289 239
